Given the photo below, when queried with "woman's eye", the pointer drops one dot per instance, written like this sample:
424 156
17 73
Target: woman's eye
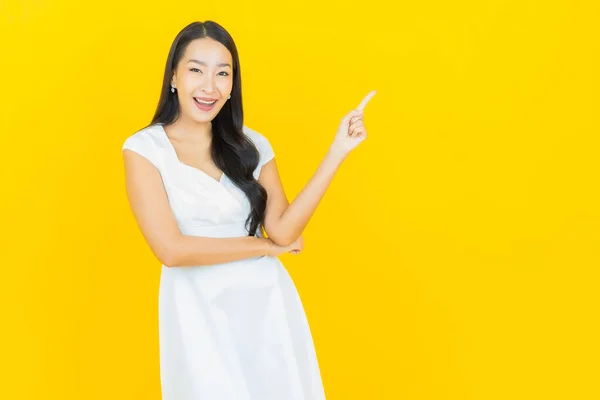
197 70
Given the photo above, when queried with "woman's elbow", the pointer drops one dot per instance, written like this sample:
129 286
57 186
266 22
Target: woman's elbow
168 256
169 261
282 240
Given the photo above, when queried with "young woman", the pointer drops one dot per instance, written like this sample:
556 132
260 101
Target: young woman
202 186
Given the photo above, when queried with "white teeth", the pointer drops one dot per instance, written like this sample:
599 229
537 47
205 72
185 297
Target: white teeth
204 102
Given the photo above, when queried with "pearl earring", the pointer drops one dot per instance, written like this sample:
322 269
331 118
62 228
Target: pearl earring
172 89
229 97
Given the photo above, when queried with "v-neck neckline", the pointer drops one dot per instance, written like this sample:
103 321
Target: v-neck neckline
176 157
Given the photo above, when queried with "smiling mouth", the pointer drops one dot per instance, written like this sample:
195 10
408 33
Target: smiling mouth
204 106
204 103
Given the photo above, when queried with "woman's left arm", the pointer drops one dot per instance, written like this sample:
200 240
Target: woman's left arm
285 222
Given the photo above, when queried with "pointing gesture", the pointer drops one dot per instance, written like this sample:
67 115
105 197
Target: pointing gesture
364 101
351 131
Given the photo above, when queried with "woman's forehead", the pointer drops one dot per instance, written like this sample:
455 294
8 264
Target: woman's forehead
208 52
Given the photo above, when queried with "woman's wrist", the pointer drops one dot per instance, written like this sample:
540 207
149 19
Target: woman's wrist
337 155
266 246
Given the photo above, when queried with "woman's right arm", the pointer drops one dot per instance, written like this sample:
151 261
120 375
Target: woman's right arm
149 203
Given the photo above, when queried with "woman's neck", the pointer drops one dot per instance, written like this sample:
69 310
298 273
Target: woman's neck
192 131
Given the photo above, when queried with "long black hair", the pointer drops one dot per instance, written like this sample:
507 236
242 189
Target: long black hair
231 150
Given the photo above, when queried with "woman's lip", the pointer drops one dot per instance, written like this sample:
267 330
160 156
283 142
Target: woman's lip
203 107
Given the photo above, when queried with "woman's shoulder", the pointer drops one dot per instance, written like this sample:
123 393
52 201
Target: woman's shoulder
260 141
265 150
144 135
257 137
144 141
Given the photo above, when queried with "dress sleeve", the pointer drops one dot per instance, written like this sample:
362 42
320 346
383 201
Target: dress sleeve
143 147
264 148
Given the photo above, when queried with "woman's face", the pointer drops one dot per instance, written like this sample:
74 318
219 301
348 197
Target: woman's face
203 75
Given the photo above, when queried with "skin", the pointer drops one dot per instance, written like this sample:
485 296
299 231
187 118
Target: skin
191 138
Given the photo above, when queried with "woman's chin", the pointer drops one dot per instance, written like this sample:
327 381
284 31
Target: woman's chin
205 116
199 116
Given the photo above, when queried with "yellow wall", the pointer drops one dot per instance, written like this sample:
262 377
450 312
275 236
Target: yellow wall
455 255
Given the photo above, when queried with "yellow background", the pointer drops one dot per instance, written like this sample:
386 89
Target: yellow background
455 255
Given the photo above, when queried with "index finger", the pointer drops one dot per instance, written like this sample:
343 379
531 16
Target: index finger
364 101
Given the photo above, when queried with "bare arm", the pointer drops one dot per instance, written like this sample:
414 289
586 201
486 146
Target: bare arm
285 222
196 250
150 206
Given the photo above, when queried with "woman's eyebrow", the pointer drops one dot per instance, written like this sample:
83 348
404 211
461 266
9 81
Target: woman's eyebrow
203 63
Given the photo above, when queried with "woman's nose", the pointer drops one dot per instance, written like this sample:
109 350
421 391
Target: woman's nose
209 85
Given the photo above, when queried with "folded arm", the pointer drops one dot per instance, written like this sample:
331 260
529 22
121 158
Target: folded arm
149 203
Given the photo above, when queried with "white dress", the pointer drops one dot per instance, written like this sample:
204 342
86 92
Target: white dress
230 331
